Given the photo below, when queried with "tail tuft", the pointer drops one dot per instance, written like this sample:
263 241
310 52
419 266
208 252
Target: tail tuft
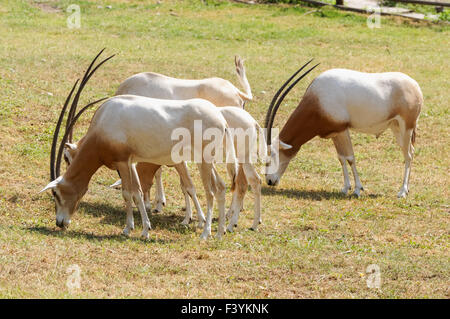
240 71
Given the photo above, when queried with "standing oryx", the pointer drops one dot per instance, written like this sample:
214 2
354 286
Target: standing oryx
339 100
127 129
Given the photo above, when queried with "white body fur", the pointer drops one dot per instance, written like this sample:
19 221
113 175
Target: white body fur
365 100
216 90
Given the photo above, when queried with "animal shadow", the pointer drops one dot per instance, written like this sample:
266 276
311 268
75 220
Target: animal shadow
48 231
114 215
315 195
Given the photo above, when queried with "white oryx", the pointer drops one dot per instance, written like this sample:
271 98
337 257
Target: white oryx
127 129
216 90
339 100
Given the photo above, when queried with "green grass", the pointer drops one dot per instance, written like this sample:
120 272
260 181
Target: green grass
314 242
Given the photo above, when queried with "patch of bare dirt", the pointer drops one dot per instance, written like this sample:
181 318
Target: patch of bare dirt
46 7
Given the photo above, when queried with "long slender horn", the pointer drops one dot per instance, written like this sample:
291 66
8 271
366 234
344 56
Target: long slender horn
275 97
56 133
69 129
275 109
55 160
86 77
83 80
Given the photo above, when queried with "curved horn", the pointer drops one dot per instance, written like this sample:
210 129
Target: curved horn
67 132
87 75
55 160
56 133
275 109
275 97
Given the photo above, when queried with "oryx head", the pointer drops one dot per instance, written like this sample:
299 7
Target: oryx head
66 200
280 155
65 194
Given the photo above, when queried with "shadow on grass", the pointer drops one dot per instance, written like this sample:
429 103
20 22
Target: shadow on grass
113 215
316 195
90 236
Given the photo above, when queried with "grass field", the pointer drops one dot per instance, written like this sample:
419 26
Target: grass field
313 243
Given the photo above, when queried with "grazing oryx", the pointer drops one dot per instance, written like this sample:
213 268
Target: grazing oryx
245 131
339 100
127 129
216 90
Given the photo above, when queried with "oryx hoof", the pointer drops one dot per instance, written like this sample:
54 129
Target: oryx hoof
345 190
204 236
402 194
186 221
357 192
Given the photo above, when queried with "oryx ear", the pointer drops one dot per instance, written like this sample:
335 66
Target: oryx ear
285 146
51 185
117 184
70 146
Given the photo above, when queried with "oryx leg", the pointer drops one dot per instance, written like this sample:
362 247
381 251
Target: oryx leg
239 193
189 191
213 185
127 196
255 183
160 197
146 172
403 137
219 190
344 149
187 207
147 202
205 174
237 199
137 194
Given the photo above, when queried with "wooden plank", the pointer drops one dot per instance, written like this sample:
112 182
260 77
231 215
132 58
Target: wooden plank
344 8
430 3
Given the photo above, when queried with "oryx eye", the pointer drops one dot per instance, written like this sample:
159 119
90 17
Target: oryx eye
55 195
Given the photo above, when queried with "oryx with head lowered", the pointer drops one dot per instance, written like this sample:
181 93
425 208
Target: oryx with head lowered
127 129
339 100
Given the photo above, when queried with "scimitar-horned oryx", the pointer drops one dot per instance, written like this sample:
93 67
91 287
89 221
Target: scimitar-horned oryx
339 100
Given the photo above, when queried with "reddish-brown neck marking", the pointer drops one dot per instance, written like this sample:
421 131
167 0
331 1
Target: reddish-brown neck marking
84 165
306 122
